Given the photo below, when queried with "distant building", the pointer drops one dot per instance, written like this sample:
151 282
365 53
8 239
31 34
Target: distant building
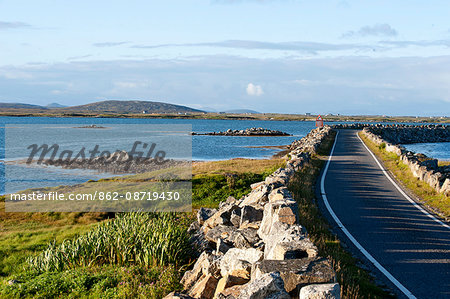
308 114
144 111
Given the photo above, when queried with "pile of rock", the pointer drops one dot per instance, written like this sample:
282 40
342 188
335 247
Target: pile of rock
118 162
247 132
255 247
422 167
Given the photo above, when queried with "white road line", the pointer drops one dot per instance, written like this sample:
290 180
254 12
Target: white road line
400 189
349 235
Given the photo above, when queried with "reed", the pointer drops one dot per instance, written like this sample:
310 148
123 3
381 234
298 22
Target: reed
136 238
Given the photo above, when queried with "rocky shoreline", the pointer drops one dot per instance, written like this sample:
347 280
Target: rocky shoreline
255 246
246 132
118 162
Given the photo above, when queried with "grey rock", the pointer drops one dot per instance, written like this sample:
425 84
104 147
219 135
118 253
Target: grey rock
256 196
268 286
321 291
204 214
251 216
238 262
219 232
222 246
235 218
297 273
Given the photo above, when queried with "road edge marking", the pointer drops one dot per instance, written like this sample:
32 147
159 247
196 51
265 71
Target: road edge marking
389 276
400 189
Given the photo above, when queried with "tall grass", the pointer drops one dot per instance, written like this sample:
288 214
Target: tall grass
131 238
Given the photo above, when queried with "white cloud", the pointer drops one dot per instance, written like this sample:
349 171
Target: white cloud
348 85
254 90
13 25
122 84
375 30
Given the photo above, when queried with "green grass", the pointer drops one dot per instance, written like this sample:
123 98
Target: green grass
215 181
77 269
437 202
96 282
134 255
355 282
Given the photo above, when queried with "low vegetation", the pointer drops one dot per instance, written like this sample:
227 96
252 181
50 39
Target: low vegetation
215 181
147 239
435 201
355 282
102 255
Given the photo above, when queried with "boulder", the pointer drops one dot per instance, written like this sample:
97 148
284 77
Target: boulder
207 264
197 238
445 189
231 292
238 262
219 232
235 218
278 217
430 164
204 214
292 248
227 282
251 216
244 238
257 195
222 216
279 194
256 185
297 273
321 291
190 277
222 246
284 212
204 288
268 286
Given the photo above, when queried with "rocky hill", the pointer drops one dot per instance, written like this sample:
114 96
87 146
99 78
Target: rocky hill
20 106
132 107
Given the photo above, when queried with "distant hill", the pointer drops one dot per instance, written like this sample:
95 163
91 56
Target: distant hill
55 105
20 106
132 107
242 111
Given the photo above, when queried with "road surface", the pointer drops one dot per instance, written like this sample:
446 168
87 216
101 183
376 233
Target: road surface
407 246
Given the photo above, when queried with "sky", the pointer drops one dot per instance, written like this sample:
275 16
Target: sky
284 56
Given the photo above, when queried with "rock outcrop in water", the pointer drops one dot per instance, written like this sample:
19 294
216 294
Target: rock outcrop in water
247 132
256 247
118 162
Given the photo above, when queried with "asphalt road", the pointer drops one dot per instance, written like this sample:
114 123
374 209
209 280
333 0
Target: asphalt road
408 244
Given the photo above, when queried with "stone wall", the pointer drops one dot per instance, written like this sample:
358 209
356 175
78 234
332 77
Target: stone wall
256 247
404 134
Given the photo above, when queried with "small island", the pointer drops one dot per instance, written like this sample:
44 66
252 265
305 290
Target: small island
90 127
246 132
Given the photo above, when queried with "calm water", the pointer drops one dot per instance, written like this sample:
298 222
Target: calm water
440 151
19 177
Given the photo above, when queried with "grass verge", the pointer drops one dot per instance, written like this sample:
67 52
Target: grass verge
435 201
355 282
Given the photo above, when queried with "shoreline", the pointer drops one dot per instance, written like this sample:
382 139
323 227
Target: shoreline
260 117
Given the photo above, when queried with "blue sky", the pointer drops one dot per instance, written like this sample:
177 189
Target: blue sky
287 56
